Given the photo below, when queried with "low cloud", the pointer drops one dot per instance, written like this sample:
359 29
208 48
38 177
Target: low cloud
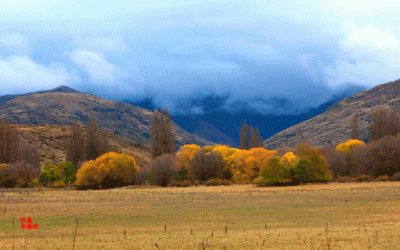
21 74
268 57
96 66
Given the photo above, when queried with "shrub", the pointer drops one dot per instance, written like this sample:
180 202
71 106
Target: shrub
67 172
337 162
396 177
205 165
217 182
184 183
383 178
377 158
312 167
364 178
163 170
58 184
34 183
18 174
344 179
142 175
49 174
274 172
107 171
8 177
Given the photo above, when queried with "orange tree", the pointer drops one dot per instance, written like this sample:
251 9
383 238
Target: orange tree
184 155
107 171
346 147
246 164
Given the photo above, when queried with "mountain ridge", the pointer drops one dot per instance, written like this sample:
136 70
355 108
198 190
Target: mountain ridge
334 125
63 105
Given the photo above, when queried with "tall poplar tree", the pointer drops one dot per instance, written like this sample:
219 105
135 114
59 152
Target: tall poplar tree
96 141
354 128
161 134
252 138
243 135
9 142
383 122
259 140
75 151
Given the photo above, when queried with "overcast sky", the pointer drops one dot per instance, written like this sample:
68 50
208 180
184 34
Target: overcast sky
253 54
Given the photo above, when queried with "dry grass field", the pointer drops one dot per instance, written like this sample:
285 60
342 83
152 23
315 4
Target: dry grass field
323 216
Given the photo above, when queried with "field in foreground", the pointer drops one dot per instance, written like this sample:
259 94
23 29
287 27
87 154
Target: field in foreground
326 216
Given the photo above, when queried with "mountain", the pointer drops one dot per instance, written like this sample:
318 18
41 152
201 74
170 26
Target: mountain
62 106
334 125
204 129
227 125
51 142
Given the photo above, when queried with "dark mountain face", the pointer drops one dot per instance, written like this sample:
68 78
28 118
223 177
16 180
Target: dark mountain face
223 127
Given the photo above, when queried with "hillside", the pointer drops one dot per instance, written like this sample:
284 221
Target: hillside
51 141
334 125
63 105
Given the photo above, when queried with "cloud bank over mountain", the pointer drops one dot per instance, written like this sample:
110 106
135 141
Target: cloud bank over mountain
268 57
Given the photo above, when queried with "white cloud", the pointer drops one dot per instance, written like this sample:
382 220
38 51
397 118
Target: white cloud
368 56
102 44
19 74
14 41
96 66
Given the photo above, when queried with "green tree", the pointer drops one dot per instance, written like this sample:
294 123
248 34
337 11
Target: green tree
312 167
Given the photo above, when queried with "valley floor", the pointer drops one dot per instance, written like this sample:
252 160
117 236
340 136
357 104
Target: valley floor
323 216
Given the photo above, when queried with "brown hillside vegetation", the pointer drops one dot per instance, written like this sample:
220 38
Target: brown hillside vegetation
334 125
51 141
63 106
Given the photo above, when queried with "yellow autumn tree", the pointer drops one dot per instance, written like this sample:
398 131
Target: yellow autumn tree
226 152
289 159
346 147
186 153
246 164
107 171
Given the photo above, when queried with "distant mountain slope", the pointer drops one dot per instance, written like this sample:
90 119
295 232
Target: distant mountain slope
334 125
204 130
222 127
63 105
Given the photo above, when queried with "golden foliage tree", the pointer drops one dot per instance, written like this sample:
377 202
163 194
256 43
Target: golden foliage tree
186 153
346 147
246 164
107 171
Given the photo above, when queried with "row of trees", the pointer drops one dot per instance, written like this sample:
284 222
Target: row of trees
9 142
161 134
80 149
220 162
383 122
250 138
